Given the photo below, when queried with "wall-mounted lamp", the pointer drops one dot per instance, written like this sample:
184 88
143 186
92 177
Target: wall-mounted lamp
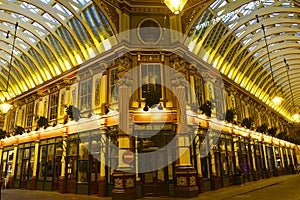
175 6
276 99
5 106
160 107
146 108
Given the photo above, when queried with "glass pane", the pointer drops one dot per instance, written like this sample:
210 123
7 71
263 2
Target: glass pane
42 163
71 168
73 148
57 170
50 162
82 171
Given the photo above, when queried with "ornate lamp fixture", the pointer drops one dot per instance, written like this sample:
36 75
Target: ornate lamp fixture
5 106
276 99
175 6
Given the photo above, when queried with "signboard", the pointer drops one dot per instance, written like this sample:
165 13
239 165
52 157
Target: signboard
128 157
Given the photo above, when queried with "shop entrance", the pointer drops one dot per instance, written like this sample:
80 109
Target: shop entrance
83 163
149 140
155 183
24 166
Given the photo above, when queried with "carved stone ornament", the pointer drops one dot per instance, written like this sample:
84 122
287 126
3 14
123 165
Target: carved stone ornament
118 183
129 183
192 180
182 181
180 65
124 64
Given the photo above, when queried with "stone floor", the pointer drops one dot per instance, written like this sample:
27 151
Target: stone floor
276 188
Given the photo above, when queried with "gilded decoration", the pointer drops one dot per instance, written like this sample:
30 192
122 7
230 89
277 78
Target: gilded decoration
110 11
124 64
97 92
129 183
192 180
193 11
182 181
118 183
151 58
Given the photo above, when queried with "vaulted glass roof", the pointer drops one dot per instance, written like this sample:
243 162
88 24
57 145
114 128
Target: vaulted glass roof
235 37
230 36
51 37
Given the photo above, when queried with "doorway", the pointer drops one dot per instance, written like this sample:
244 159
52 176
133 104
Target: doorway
149 141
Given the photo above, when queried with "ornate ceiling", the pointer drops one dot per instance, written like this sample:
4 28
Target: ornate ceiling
55 36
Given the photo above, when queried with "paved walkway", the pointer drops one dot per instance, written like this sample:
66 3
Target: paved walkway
259 188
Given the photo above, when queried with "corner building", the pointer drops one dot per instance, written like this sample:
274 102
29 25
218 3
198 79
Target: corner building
141 79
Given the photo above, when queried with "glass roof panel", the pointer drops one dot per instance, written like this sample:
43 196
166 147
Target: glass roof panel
30 7
62 10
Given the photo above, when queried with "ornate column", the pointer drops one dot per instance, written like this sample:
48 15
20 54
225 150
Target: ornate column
123 178
266 167
292 156
282 158
253 160
274 156
12 177
199 168
1 151
102 182
62 178
185 174
35 165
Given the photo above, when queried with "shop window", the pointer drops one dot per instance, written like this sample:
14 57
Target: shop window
205 167
85 95
97 92
218 101
19 164
25 161
82 171
72 157
62 103
29 114
45 107
198 89
113 85
12 121
53 105
74 102
151 77
36 111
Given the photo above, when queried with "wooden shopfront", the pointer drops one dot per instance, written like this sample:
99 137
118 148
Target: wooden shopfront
227 161
83 162
24 165
7 164
49 164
